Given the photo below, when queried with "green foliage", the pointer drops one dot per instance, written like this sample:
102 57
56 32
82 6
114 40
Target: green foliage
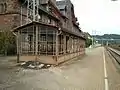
7 43
110 37
107 36
88 42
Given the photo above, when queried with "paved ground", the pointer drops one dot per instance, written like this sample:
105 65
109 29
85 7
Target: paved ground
82 74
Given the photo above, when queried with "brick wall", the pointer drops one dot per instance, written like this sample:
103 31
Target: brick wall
13 6
11 21
6 21
11 18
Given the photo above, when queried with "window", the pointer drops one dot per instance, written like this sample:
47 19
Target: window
2 7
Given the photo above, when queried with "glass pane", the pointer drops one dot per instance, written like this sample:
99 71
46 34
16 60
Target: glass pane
50 38
43 30
42 37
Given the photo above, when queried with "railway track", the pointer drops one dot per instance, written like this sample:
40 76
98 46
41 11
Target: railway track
115 54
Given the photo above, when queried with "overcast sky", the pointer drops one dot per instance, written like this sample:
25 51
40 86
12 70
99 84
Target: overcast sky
98 16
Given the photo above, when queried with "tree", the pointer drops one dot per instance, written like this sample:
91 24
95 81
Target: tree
7 42
88 42
88 38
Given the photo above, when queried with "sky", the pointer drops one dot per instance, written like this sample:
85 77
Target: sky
98 16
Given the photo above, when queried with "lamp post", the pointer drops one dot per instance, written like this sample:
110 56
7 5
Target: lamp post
93 40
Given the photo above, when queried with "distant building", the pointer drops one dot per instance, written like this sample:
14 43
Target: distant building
47 30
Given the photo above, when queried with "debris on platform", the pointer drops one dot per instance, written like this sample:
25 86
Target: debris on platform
31 66
48 65
40 66
23 63
34 65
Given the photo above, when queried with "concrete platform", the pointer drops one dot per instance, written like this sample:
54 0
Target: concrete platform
96 71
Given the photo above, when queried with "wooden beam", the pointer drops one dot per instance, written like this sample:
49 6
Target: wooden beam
18 47
64 47
36 42
57 40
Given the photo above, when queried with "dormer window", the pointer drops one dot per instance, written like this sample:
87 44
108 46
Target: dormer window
49 21
40 17
50 9
65 8
76 19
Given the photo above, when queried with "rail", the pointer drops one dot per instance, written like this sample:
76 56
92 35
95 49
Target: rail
115 54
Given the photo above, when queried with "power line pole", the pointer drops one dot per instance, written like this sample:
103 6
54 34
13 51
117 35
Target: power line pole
32 10
32 15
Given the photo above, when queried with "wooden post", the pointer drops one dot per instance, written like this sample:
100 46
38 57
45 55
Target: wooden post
18 47
72 40
36 48
57 51
64 48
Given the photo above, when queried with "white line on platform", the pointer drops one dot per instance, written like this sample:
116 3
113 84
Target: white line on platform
105 72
